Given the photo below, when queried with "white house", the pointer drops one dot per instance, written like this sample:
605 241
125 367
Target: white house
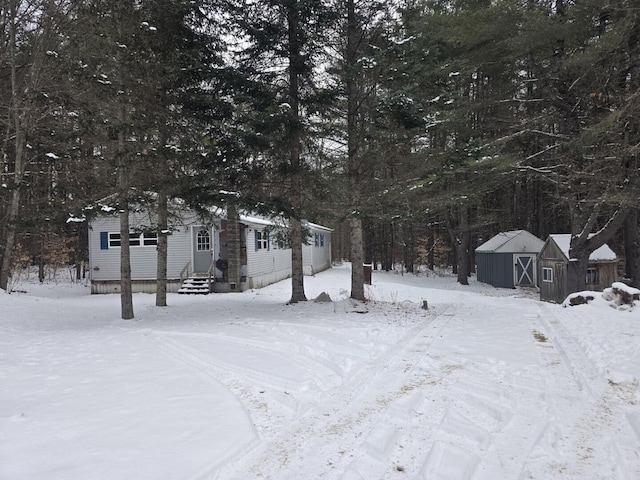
197 253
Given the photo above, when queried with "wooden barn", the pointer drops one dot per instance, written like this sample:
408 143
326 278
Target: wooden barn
553 262
509 259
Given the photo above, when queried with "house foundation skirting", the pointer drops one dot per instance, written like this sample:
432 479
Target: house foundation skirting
137 286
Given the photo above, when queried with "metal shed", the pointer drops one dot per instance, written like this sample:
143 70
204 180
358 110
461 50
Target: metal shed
509 259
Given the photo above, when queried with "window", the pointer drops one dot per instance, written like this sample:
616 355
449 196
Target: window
318 239
114 240
135 240
547 274
322 239
150 239
203 240
262 240
592 275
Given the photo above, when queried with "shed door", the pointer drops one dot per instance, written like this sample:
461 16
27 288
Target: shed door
202 249
524 270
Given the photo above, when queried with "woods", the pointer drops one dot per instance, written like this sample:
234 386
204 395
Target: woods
414 128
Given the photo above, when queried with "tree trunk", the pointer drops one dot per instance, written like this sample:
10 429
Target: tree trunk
126 296
18 173
162 235
353 167
357 271
432 246
297 271
583 245
162 228
632 248
577 269
234 251
295 145
461 240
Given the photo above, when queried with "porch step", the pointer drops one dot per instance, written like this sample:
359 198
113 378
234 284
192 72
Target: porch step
195 286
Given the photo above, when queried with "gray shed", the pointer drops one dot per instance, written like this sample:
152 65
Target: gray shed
509 259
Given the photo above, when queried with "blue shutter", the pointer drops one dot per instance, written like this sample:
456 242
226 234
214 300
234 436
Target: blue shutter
104 240
257 238
268 242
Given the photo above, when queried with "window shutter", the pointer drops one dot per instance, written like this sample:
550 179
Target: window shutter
257 238
268 242
104 240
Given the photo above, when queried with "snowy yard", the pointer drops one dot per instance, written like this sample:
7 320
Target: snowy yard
486 384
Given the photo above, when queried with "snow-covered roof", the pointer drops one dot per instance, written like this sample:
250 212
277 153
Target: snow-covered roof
279 222
563 241
512 242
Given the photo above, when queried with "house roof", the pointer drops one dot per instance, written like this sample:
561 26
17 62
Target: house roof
563 241
264 221
512 242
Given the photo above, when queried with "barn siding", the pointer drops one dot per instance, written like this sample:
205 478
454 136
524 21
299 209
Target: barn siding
557 291
553 291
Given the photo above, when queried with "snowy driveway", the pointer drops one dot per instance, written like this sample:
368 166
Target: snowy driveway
486 384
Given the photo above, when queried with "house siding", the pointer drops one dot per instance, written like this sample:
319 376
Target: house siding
105 263
263 266
266 266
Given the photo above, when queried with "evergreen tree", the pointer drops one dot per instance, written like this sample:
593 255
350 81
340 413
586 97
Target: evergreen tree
278 55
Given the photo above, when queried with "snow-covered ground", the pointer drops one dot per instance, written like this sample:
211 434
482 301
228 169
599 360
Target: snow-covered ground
485 384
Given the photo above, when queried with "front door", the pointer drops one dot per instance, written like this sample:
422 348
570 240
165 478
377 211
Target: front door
202 249
524 271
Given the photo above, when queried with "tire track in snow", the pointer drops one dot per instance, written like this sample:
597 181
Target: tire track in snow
593 429
342 421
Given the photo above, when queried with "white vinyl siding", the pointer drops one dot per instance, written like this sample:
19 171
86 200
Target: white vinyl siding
105 262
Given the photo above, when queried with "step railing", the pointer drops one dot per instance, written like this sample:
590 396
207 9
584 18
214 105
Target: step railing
184 273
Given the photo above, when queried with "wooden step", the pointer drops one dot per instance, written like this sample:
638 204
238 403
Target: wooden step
195 286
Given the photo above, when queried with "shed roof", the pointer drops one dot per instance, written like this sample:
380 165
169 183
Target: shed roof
563 241
512 242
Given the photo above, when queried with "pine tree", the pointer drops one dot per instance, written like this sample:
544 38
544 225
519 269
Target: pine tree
278 55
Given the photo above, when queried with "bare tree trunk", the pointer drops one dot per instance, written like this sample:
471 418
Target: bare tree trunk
461 240
295 141
357 271
126 295
632 248
234 255
583 245
355 223
19 145
162 235
297 272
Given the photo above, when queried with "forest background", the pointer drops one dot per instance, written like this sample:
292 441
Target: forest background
416 128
